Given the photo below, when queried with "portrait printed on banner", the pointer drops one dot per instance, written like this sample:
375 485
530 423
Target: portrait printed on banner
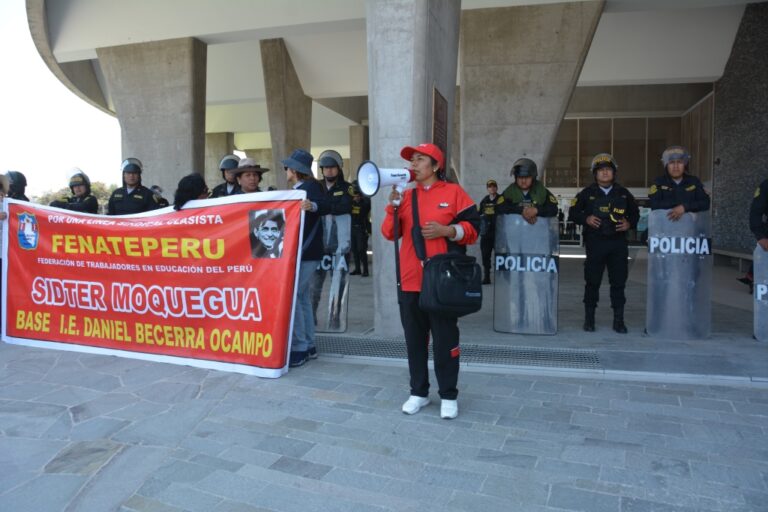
267 230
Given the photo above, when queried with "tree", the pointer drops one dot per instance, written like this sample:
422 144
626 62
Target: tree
99 190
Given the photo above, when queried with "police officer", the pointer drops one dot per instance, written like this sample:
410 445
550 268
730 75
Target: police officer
338 192
248 175
607 211
338 195
228 168
158 191
758 224
132 197
677 191
81 199
18 184
361 226
527 196
487 209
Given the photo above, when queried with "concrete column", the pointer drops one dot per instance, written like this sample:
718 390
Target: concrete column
519 68
264 157
158 91
217 145
288 108
741 129
359 150
412 49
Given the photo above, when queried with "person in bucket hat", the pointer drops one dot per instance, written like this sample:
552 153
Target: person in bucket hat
298 170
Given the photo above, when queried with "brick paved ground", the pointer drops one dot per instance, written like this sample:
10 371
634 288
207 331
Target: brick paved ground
95 433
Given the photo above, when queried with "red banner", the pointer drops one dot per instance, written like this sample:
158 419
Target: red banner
212 285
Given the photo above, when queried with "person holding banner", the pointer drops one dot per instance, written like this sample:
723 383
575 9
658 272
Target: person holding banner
449 220
249 176
132 197
81 199
607 211
677 191
228 168
298 169
4 186
527 196
192 186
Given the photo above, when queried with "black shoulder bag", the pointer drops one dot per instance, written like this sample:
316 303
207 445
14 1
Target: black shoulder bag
452 281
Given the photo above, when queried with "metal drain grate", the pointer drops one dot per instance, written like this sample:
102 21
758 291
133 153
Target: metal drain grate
470 353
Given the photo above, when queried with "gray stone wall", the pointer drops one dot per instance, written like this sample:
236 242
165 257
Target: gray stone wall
741 131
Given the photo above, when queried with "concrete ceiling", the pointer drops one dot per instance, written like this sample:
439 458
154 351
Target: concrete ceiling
637 42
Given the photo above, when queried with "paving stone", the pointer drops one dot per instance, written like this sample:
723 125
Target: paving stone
250 456
232 486
165 429
595 455
45 493
641 505
569 498
235 506
506 458
451 478
658 465
656 427
27 419
82 458
142 504
11 479
300 468
68 396
598 420
188 498
21 455
571 469
100 406
518 491
736 475
216 462
27 390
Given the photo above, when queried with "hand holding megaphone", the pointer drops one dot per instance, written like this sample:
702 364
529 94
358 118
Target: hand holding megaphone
371 178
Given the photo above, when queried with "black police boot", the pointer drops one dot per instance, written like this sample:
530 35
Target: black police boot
487 278
589 318
618 321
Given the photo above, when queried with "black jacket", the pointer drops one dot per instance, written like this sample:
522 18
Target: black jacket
339 197
221 190
665 194
618 204
312 242
487 210
87 204
758 212
141 199
361 215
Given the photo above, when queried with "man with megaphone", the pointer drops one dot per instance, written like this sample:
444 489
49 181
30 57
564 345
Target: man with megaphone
448 219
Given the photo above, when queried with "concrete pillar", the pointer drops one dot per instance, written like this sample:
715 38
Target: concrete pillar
359 150
264 157
288 108
158 91
412 50
519 67
741 129
217 145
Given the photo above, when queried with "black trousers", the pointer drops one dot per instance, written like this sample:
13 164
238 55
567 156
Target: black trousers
360 248
486 247
445 347
602 253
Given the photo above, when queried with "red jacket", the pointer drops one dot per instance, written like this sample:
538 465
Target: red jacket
446 203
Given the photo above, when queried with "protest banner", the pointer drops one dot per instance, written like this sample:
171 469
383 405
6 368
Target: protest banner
212 285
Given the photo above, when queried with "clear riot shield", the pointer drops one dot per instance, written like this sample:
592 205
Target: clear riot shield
330 285
679 276
760 273
526 275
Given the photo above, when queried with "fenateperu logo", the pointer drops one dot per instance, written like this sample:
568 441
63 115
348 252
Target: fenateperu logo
28 234
680 245
527 263
761 292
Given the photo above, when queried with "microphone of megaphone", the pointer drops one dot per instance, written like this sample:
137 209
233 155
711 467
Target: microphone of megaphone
371 178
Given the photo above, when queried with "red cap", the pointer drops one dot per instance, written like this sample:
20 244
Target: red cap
425 149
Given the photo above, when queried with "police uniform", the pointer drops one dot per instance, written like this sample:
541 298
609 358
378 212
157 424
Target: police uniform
221 190
139 200
487 209
605 246
361 225
514 200
665 194
339 196
758 212
85 204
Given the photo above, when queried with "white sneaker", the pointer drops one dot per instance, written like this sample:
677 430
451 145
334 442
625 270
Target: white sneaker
414 404
449 409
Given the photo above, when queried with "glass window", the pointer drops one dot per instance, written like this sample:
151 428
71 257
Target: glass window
561 166
662 133
594 138
629 151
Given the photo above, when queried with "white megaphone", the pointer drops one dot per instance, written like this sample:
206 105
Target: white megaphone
370 178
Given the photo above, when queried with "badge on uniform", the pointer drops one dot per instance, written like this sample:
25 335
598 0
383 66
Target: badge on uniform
443 205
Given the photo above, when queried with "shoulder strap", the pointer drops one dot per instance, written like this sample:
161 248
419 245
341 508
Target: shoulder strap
418 239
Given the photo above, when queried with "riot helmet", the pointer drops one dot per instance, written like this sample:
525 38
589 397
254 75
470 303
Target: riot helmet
524 167
604 160
78 177
17 185
675 153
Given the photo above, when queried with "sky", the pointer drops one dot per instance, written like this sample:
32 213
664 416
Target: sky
45 130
